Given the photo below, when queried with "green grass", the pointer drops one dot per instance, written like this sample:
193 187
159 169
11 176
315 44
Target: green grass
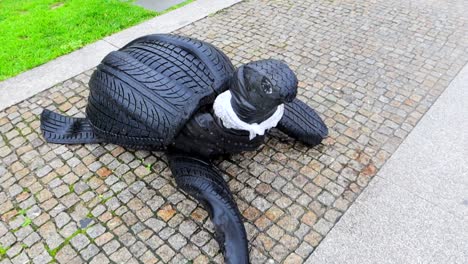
27 221
3 251
36 31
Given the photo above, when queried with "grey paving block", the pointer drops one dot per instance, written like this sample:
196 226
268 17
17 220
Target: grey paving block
388 224
159 5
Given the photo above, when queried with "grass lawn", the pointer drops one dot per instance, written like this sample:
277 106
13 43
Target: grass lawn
33 32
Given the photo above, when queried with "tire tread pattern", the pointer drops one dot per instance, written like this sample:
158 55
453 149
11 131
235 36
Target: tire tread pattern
215 60
204 182
300 121
60 129
144 94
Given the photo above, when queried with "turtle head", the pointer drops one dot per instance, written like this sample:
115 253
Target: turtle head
259 87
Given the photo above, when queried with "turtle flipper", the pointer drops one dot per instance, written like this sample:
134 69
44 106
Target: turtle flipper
201 180
60 129
300 121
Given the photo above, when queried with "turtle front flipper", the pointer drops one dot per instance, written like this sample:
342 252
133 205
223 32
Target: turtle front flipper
300 121
202 180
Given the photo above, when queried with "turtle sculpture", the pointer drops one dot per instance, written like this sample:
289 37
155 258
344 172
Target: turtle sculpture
183 96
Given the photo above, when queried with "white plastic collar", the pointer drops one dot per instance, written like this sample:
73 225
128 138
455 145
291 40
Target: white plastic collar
223 109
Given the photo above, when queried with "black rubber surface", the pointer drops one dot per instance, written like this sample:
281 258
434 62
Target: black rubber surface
218 64
201 180
142 95
300 121
60 129
258 87
204 135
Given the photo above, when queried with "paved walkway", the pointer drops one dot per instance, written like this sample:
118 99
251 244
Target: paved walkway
416 209
371 69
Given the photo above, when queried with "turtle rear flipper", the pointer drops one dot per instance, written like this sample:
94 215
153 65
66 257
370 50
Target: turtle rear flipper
60 129
201 180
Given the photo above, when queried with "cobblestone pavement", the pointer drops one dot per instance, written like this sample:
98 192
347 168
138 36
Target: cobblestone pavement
370 68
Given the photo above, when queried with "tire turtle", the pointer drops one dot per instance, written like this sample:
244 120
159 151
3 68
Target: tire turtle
181 95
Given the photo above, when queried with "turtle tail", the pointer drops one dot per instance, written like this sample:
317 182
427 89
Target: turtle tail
60 129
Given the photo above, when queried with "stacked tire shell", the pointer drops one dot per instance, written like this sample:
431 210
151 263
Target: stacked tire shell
142 95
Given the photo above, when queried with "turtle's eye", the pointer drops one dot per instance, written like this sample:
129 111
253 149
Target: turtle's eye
266 86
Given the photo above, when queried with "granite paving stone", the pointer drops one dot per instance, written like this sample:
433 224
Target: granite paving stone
79 242
65 254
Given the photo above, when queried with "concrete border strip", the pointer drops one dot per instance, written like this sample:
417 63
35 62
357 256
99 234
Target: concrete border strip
29 83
